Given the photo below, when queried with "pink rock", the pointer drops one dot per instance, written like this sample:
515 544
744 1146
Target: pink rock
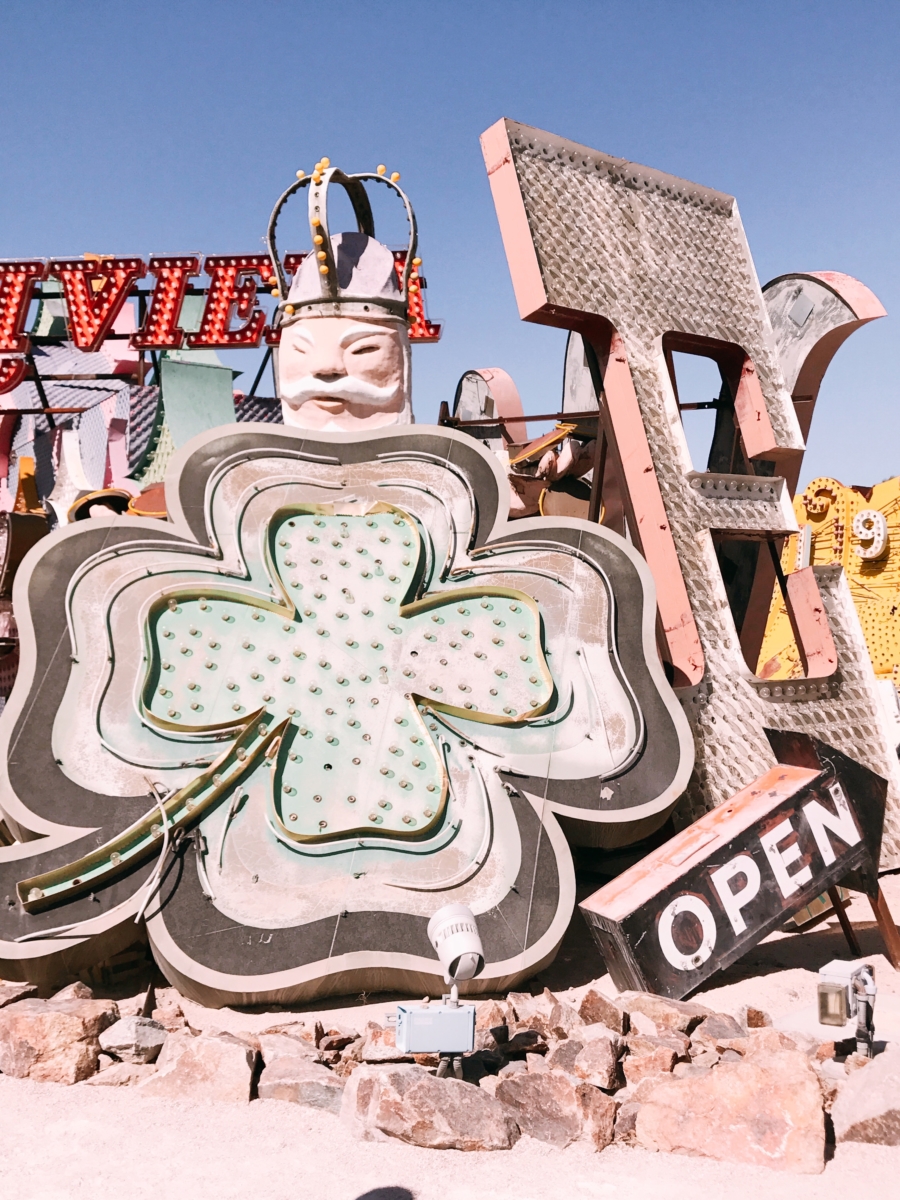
563 1021
74 991
491 1013
868 1106
273 1046
408 1103
597 1009
639 1043
525 1006
122 1074
765 1110
53 1041
598 1062
626 1119
716 1033
767 1040
10 993
300 1080
545 1106
657 1062
380 1046
682 1015
599 1115
562 1057
208 1067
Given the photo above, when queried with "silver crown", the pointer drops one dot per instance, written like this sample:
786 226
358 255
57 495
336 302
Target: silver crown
345 273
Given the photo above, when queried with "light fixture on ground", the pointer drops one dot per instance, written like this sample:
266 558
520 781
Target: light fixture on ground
847 990
448 1028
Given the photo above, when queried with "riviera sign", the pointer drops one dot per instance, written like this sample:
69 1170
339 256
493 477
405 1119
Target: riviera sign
96 289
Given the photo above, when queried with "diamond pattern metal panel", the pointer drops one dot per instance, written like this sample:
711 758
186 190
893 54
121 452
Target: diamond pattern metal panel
651 253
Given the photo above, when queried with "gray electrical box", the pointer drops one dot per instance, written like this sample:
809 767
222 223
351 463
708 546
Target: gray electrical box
435 1028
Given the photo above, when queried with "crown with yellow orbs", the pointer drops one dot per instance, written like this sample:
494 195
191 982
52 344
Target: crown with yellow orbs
348 273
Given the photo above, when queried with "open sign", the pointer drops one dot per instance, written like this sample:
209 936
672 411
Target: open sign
703 899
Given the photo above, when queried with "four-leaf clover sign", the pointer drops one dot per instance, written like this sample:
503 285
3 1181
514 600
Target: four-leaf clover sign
334 692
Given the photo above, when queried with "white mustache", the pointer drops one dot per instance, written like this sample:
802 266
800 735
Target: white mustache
348 388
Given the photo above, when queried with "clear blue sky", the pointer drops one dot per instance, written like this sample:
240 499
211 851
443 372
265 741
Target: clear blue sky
158 127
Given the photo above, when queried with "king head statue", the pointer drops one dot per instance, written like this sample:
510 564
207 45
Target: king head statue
343 361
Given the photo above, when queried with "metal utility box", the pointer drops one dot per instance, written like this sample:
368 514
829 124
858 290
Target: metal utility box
435 1028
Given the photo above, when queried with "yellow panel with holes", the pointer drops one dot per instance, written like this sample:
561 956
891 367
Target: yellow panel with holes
859 529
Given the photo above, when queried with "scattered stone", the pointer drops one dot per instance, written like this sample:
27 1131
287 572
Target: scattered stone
408 1103
429 1060
299 1080
345 1068
537 1023
489 1084
518 1066
868 1107
598 1113
656 1062
134 1039
598 1062
639 1023
53 1041
10 993
681 1015
768 1040
380 1046
208 1067
626 1118
535 1062
294 1029
639 1043
730 1056
597 1009
545 1106
563 1056
74 991
683 1070
489 1013
104 1061
563 1021
753 1018
168 1011
525 1006
485 1039
716 1033
337 1038
765 1110
273 1046
122 1074
707 1059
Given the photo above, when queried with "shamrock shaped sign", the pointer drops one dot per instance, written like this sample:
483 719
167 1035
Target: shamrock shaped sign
333 694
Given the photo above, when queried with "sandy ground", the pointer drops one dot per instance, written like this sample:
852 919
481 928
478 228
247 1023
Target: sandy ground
66 1143
61 1143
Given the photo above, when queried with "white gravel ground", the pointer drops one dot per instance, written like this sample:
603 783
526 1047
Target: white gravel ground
65 1143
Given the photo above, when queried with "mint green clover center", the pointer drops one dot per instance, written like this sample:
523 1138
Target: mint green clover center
354 660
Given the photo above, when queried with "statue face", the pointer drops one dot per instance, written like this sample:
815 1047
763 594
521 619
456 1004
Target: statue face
343 373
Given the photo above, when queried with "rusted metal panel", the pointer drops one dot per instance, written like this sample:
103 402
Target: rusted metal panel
701 901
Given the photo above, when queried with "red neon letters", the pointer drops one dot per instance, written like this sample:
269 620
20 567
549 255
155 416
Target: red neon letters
232 293
17 280
95 291
160 330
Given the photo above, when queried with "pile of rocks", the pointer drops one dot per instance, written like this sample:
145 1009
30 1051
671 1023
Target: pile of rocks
637 1069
